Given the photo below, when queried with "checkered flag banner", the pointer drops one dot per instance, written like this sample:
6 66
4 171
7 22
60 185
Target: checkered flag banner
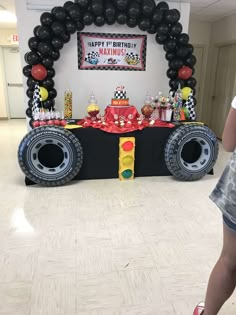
120 95
132 58
190 105
92 55
37 99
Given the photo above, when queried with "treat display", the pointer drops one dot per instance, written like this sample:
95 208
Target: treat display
120 97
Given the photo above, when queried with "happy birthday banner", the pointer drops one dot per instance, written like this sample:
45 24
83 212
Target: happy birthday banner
99 51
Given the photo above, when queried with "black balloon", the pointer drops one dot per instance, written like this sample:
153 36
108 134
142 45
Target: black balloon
48 62
121 18
174 84
58 28
48 104
176 63
51 73
45 49
132 22
71 26
44 33
79 26
170 45
31 102
134 10
182 52
53 10
99 21
110 21
172 74
176 29
57 43
48 83
84 4
46 19
33 43
55 55
67 4
60 14
152 29
170 55
183 39
32 58
162 29
97 7
27 70
31 123
161 39
66 38
35 31
191 82
110 11
30 93
190 48
88 18
172 16
121 4
52 93
28 112
148 7
157 17
31 82
144 24
162 6
74 12
190 61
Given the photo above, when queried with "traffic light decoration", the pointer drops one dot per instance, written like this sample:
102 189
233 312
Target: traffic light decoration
126 158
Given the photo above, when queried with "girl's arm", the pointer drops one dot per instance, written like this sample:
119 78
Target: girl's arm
229 134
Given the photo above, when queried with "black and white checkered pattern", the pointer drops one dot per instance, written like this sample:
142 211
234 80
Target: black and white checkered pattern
190 104
132 56
119 95
92 55
37 99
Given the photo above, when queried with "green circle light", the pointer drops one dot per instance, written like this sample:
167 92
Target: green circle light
127 174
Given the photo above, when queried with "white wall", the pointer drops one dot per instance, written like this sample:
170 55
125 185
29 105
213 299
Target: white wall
4 41
200 32
224 30
102 83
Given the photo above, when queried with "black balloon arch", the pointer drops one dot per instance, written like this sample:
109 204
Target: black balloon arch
57 27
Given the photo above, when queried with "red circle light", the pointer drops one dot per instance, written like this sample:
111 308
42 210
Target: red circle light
128 146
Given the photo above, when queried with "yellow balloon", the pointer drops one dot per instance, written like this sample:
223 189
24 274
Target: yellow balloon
43 93
127 160
185 93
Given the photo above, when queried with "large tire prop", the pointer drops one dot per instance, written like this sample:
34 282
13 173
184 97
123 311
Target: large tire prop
57 27
178 161
50 156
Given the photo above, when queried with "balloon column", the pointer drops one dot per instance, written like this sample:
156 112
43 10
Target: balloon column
58 25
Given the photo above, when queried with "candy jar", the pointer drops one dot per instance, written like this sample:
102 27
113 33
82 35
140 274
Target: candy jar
93 109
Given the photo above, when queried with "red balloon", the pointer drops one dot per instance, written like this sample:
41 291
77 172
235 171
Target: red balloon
185 73
128 146
39 72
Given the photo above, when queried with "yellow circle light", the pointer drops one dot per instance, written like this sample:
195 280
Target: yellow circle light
127 160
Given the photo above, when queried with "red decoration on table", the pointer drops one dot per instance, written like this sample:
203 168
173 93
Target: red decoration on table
127 146
147 111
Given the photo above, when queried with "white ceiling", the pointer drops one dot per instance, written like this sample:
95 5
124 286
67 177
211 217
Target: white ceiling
203 10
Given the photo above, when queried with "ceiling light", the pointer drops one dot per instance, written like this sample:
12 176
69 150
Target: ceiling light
7 17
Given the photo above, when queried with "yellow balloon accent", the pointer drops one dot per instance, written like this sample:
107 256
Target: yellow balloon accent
43 93
127 160
185 93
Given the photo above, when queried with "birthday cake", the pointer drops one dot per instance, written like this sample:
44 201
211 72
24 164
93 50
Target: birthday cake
120 98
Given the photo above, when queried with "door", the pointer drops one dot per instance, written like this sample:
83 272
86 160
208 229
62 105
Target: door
199 53
224 88
13 74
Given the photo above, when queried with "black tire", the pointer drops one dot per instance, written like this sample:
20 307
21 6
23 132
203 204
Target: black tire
177 152
63 148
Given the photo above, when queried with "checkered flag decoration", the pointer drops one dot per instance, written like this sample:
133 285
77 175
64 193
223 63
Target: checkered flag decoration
132 58
120 95
190 105
92 55
37 99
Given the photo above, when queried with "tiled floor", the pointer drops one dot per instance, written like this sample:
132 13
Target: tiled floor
104 247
